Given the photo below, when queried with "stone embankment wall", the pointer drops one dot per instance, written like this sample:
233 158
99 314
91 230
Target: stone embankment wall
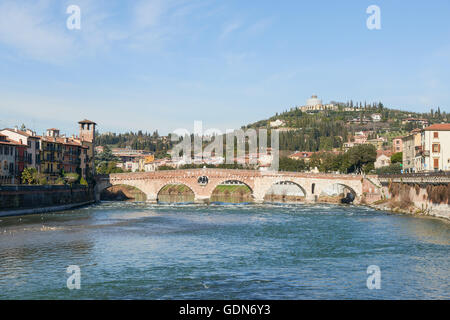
418 198
15 200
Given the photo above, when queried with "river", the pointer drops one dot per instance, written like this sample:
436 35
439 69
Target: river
131 250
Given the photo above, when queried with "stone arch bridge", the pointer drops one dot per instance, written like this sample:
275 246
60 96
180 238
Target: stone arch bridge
259 182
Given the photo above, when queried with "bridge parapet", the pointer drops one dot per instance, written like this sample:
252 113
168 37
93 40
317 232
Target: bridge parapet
416 178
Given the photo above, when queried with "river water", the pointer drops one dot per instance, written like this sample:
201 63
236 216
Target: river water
129 250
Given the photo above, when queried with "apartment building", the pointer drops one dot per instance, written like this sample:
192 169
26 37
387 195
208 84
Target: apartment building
412 146
435 141
32 141
397 144
12 160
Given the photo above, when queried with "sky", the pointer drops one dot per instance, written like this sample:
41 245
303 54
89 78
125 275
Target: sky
162 64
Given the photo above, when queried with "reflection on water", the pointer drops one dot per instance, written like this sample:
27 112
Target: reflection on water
231 199
176 198
131 250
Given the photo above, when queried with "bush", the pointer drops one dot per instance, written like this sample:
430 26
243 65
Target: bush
71 178
29 175
83 182
60 181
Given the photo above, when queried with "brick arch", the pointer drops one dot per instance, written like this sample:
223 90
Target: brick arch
218 181
175 181
232 179
105 183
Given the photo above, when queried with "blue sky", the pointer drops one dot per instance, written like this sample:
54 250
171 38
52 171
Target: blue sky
163 64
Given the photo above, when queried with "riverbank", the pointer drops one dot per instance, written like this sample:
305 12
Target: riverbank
22 212
35 199
433 211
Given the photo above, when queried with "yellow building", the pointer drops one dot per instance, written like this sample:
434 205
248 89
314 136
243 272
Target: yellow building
51 155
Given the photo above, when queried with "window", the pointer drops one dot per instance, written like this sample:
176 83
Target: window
436 163
436 134
436 147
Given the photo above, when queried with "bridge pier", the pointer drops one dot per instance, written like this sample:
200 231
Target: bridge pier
311 198
151 198
201 199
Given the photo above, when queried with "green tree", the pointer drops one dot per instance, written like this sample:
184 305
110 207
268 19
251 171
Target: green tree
29 175
361 158
397 157
106 155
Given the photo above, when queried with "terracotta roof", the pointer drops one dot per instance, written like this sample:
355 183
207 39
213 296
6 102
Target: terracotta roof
12 142
304 154
61 140
387 153
87 121
23 133
438 127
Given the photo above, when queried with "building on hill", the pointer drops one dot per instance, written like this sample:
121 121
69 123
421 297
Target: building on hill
411 148
435 141
304 155
418 121
376 117
377 142
314 104
383 158
397 144
127 154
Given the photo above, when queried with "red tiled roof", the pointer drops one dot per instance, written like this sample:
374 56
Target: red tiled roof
87 121
23 133
11 142
438 127
304 154
387 153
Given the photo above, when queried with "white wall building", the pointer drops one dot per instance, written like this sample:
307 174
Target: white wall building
436 147
29 138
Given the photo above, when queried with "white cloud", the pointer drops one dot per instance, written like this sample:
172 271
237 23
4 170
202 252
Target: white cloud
27 27
148 13
260 26
229 28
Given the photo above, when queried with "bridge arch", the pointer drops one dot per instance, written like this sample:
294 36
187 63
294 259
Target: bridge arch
175 192
337 191
285 190
122 192
231 190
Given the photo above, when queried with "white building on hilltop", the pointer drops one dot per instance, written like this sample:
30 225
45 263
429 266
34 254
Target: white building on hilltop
315 104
